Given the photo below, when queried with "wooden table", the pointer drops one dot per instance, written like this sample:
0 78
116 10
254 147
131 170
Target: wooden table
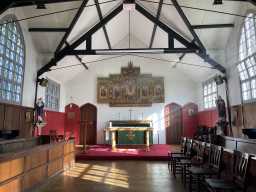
113 132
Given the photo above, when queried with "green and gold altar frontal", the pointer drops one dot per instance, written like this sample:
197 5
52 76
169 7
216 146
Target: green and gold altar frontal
129 133
130 88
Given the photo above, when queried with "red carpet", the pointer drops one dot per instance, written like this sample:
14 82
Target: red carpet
104 152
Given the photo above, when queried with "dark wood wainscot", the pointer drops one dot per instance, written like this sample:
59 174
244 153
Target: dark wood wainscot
15 117
23 171
245 146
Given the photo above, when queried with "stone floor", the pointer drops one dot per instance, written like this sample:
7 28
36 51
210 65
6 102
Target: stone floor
115 176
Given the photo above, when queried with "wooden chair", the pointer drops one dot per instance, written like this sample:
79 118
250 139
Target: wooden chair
177 165
240 176
197 174
197 160
174 155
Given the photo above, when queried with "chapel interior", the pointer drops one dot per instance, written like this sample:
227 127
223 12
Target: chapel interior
127 95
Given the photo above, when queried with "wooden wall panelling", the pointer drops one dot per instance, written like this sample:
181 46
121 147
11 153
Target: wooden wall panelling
56 152
12 117
5 171
15 117
17 167
1 116
55 166
12 186
34 167
34 177
69 161
36 159
29 119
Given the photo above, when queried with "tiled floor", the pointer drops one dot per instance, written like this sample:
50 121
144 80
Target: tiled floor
115 176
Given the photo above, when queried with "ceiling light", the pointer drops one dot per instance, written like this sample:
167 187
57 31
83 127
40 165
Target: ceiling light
217 2
219 79
129 5
40 6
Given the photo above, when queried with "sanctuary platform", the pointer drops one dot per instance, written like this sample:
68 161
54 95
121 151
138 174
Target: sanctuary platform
104 152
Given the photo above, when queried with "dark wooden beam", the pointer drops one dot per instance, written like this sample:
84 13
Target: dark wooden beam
79 58
23 3
5 5
187 23
103 27
165 27
72 25
47 29
213 26
170 41
155 25
130 51
89 43
202 52
97 26
212 62
60 55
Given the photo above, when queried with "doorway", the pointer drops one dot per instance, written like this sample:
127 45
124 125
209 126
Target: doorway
173 123
88 124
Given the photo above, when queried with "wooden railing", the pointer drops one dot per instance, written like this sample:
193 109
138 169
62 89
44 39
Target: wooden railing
27 169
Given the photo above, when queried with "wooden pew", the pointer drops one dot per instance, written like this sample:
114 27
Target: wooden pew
24 170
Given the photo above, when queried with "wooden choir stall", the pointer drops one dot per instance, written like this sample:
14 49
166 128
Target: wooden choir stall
27 168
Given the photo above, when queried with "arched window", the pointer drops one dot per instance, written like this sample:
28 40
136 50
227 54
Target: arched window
12 60
247 58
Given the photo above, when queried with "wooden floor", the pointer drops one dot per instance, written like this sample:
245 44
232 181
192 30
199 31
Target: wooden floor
115 176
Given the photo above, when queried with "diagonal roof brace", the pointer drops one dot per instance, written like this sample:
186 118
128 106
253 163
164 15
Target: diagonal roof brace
165 27
79 58
155 25
203 53
72 25
189 26
103 27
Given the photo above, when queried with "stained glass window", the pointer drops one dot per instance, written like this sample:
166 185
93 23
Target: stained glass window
12 60
247 64
52 95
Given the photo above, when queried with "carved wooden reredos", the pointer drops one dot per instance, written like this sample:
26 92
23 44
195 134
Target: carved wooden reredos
130 88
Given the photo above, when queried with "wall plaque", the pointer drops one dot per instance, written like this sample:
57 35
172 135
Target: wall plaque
130 88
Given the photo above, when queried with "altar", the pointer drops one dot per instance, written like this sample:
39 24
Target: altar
133 132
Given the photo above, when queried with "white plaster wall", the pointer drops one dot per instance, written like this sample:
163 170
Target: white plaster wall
229 58
178 88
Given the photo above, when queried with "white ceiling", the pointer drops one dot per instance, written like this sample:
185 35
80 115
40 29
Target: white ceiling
141 29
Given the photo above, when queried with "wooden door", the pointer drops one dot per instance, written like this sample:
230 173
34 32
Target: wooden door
173 123
88 125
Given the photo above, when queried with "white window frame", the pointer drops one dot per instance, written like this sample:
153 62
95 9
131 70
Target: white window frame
210 93
52 96
247 59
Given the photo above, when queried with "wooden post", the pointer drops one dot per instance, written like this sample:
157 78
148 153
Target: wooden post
147 140
113 139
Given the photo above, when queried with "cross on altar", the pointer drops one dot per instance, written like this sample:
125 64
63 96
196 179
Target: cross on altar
130 110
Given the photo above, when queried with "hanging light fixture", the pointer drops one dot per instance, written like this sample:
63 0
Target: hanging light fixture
129 5
217 2
40 6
